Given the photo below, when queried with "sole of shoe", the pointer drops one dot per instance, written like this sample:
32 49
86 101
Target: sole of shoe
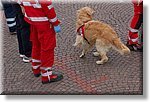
26 61
13 33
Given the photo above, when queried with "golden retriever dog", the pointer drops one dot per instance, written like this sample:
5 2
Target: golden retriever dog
96 33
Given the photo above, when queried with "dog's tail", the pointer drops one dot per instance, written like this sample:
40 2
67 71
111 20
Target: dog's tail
119 46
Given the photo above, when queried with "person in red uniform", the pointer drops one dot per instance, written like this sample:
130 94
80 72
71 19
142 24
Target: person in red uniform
136 23
44 26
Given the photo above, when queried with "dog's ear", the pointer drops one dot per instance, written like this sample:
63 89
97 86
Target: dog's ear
90 11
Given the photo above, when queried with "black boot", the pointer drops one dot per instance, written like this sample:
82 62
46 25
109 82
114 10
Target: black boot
135 47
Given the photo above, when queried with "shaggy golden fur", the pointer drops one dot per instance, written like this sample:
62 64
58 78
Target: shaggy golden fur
99 34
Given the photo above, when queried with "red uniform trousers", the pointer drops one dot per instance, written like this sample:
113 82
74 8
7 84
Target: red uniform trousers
136 22
43 43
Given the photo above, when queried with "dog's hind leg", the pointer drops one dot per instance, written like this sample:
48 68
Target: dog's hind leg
102 51
104 58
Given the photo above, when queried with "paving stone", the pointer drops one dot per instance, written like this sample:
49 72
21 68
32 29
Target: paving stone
120 75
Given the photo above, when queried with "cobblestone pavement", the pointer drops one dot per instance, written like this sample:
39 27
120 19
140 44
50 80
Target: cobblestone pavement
120 75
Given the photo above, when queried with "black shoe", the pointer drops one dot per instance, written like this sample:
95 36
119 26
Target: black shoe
53 78
37 75
135 47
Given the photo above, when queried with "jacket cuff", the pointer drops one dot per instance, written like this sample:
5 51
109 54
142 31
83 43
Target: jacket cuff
56 23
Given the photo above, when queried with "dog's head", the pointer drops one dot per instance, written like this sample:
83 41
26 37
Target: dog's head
85 13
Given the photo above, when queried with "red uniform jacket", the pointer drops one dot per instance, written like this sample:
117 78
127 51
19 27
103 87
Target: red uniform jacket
39 12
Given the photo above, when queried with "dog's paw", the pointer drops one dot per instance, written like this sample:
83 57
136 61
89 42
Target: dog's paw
74 45
82 55
96 54
99 62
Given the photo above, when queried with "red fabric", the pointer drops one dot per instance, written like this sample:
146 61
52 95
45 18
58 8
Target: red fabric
40 12
81 30
133 36
36 71
138 6
45 78
138 10
43 43
134 21
50 13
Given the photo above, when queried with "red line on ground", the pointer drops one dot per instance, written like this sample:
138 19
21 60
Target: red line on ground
86 87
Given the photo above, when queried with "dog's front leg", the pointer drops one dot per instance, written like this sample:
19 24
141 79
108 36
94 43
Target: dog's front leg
85 47
96 54
83 53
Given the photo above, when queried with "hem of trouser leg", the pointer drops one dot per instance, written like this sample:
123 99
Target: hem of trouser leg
132 43
53 80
